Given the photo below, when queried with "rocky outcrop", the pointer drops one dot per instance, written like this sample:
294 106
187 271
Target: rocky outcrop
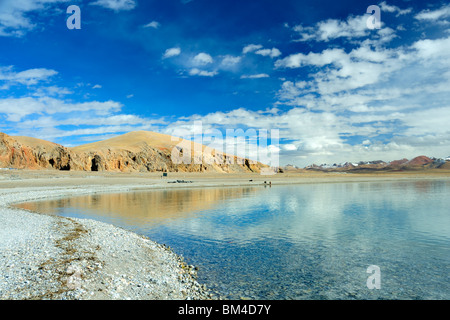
16 154
133 152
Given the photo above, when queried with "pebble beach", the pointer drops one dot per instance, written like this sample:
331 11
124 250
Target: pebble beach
50 257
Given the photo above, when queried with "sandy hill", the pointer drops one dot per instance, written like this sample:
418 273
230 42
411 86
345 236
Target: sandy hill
35 143
135 151
132 141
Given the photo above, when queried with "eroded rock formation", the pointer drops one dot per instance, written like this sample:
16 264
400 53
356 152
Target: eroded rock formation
133 152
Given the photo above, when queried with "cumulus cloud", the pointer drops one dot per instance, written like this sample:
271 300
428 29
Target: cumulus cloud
251 48
382 102
398 92
353 28
273 53
394 9
172 52
27 77
202 59
433 49
259 49
202 73
230 61
344 71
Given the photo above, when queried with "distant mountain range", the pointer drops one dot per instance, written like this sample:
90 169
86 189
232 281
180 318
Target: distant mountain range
418 163
139 151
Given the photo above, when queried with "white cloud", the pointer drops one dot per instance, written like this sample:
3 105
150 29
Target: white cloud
153 24
172 52
230 61
14 20
202 59
27 77
202 73
116 5
340 71
435 15
113 120
298 60
251 48
372 91
433 49
258 49
333 28
290 147
51 91
394 9
97 86
16 109
255 76
353 27
273 53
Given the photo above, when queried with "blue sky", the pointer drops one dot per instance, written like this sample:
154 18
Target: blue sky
335 89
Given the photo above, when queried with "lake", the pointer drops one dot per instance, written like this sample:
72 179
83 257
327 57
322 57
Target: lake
305 241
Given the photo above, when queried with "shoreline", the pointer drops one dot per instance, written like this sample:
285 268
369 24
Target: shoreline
53 257
45 257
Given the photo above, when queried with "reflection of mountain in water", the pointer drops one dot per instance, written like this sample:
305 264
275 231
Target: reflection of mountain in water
295 213
144 207
302 212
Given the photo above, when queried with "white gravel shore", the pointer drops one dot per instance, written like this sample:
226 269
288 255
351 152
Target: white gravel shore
50 257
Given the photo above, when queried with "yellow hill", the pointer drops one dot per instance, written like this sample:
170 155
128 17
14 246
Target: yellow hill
142 151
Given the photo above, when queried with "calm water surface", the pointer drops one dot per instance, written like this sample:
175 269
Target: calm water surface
311 241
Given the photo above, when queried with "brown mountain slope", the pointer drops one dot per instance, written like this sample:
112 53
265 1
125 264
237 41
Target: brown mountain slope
397 163
419 161
445 166
135 151
31 153
151 151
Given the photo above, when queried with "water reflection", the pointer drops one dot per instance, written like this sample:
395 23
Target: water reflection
303 212
310 241
143 207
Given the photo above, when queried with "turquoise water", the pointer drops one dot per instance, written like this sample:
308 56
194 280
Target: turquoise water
311 241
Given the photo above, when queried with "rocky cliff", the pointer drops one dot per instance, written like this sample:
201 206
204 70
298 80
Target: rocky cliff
30 153
141 151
